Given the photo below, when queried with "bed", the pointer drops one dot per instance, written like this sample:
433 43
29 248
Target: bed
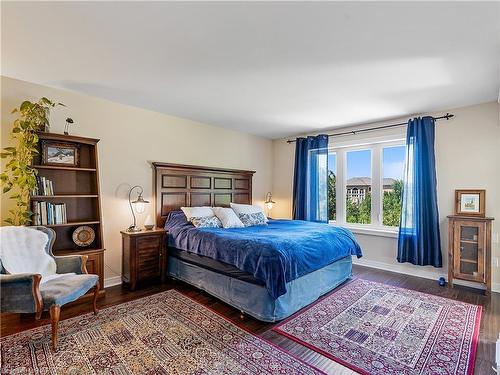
268 272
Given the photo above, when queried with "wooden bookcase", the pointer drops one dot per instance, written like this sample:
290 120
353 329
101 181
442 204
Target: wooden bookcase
78 187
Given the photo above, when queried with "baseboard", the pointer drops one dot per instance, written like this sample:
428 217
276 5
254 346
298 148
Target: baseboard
495 287
398 269
112 281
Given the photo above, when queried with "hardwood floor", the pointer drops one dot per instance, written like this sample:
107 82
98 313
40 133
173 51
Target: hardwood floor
490 322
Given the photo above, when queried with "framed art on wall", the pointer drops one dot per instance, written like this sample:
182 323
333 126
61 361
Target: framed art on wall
470 202
62 154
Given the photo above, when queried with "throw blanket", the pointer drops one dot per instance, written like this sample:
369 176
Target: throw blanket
22 250
277 253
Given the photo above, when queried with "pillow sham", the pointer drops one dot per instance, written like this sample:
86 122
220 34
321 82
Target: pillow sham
191 212
249 220
247 209
228 217
206 222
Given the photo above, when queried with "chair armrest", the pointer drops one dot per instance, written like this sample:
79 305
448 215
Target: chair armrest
20 293
71 263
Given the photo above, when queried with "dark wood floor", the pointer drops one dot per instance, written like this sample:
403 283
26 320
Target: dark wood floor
490 322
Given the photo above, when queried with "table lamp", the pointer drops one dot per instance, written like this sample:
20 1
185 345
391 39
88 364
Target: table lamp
138 205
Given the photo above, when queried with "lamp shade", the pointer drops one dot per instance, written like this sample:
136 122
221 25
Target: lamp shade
140 204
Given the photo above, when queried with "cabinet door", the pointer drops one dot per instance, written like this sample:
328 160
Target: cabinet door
469 245
148 257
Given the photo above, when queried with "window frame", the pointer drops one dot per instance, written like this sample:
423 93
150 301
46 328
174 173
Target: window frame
376 146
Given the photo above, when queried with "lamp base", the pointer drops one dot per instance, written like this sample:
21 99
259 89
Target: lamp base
134 228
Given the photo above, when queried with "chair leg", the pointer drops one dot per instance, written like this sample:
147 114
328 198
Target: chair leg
55 311
96 294
38 314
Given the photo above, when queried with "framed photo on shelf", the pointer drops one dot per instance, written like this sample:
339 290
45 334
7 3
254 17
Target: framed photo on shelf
61 154
470 202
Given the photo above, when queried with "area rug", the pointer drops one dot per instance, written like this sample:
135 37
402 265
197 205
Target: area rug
166 333
374 328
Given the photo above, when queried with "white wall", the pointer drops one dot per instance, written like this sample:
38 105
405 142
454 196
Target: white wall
130 138
467 156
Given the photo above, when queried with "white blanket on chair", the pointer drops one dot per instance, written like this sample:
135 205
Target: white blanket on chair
22 250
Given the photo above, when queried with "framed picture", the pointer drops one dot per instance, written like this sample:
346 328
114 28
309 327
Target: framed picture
62 154
470 202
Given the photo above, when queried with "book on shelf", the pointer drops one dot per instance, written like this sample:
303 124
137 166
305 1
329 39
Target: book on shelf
44 186
47 213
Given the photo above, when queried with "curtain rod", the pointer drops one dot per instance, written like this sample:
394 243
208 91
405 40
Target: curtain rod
353 132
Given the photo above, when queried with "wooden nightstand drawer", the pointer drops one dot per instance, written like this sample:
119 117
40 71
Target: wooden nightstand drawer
148 242
143 256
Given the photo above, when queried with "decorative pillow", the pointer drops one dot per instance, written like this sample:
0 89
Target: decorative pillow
228 217
206 222
247 209
191 212
256 218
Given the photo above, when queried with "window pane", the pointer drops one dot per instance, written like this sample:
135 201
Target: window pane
359 187
393 166
332 186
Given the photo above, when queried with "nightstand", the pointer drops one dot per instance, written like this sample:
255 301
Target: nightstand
144 256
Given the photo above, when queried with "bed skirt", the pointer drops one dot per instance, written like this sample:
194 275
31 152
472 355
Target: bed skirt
253 299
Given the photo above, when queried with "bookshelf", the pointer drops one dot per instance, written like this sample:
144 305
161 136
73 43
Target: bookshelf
77 187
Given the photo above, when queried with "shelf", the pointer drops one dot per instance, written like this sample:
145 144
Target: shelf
468 260
72 224
77 251
62 196
469 241
61 168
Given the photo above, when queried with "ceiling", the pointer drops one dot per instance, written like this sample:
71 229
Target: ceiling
270 69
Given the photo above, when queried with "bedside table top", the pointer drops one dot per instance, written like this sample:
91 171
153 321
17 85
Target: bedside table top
145 232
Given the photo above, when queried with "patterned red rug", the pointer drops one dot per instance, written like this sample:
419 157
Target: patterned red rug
166 333
374 328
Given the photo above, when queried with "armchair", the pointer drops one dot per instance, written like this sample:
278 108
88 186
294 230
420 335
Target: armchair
28 293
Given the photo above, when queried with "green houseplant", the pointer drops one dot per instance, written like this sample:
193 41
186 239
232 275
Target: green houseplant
18 176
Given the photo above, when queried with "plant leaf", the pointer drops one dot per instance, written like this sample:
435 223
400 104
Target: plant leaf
25 105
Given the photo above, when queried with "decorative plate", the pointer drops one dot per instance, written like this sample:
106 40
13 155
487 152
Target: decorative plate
83 236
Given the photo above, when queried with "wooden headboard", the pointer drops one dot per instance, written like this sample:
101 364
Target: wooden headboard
179 185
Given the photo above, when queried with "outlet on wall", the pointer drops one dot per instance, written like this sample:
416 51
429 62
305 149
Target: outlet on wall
494 261
495 238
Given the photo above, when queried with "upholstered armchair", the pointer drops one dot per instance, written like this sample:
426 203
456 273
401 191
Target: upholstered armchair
28 293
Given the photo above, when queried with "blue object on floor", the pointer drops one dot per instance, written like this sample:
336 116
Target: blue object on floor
442 281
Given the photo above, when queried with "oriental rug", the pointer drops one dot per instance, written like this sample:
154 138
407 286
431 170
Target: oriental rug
167 333
374 328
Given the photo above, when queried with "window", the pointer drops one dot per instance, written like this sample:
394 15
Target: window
359 187
393 166
365 183
332 186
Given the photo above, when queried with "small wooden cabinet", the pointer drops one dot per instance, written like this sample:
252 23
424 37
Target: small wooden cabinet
469 250
144 256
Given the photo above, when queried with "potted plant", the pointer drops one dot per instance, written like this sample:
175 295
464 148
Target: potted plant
19 177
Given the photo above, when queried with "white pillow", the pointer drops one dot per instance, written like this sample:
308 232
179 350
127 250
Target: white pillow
247 209
228 217
191 212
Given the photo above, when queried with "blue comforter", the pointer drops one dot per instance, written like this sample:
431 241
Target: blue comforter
276 253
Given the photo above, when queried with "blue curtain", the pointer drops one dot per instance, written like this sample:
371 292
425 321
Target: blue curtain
419 241
310 179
